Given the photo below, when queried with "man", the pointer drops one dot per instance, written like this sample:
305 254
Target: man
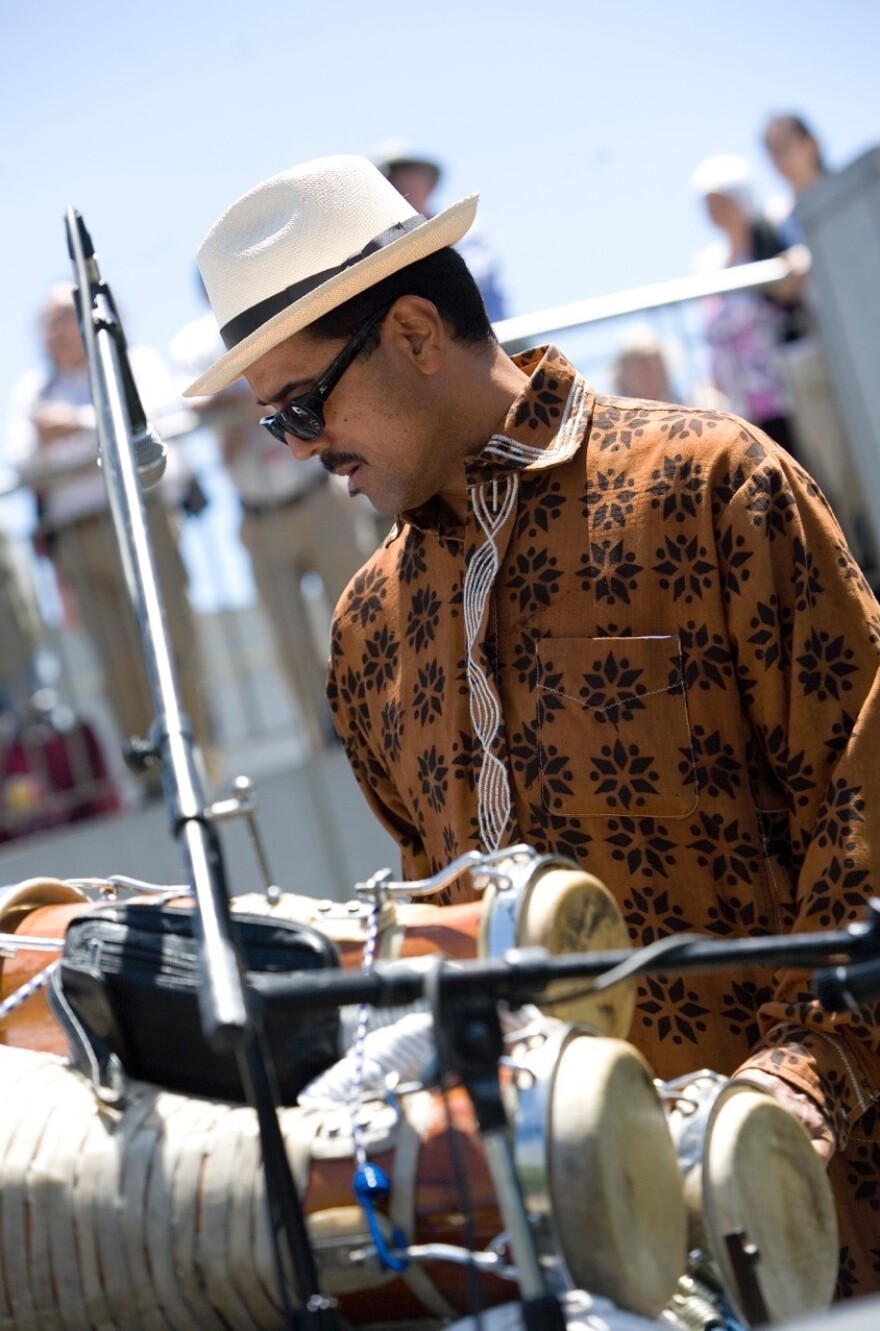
416 176
51 427
623 631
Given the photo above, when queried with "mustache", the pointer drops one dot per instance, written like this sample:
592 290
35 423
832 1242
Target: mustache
334 462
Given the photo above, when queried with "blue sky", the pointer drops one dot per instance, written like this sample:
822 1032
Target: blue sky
579 123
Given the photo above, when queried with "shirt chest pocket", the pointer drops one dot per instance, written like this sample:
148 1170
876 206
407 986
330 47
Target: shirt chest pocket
613 732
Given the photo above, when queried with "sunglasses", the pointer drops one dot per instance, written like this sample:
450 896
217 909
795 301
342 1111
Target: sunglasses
303 416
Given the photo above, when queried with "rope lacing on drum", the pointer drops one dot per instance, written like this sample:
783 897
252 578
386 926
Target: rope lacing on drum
370 1182
30 987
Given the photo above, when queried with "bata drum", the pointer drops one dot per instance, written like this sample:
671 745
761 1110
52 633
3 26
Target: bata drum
156 1213
526 900
759 1203
31 911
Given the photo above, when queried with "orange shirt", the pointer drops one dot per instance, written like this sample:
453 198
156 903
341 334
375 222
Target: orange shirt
648 649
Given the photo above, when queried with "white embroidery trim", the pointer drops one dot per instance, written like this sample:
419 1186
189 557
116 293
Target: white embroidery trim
494 803
493 502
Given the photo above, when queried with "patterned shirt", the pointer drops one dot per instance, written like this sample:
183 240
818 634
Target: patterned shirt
649 649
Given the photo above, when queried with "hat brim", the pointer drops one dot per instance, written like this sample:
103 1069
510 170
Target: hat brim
436 233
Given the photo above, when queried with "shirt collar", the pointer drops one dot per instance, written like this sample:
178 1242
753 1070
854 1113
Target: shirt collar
545 424
544 427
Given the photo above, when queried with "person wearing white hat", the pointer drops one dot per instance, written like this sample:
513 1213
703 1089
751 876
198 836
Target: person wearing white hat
626 632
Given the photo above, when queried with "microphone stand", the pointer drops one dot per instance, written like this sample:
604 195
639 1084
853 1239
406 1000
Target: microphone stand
231 1018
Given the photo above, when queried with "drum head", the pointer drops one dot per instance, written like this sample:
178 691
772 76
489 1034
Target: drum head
565 910
617 1202
762 1178
20 899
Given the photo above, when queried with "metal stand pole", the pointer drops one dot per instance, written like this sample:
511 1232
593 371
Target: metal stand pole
469 1044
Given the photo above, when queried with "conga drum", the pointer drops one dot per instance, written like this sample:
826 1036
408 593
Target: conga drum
759 1202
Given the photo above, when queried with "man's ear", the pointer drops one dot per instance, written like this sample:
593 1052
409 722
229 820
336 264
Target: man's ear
414 328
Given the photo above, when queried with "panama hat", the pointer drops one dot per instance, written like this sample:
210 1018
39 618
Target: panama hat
303 242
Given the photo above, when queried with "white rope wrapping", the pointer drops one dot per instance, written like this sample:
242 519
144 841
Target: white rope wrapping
403 1048
152 1219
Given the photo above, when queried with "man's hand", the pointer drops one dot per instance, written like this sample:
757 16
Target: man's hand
790 289
802 1107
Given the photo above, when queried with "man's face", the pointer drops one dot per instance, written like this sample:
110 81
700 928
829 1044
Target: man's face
380 431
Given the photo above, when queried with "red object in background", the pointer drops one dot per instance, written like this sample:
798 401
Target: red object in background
51 775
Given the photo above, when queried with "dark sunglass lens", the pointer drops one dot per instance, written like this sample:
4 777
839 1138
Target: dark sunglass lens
301 421
271 424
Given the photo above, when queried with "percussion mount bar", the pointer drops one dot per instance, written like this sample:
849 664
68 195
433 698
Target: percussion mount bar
470 1046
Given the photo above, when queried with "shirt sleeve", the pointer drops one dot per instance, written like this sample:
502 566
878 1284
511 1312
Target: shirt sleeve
363 743
805 628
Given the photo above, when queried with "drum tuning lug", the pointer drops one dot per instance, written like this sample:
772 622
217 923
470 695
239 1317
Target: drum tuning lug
477 863
523 1073
118 882
242 803
375 889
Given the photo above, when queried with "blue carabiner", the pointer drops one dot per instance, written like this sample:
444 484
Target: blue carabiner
371 1185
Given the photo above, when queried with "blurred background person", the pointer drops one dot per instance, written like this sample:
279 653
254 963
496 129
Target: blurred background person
416 176
20 636
298 524
51 440
745 329
652 367
797 155
641 369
